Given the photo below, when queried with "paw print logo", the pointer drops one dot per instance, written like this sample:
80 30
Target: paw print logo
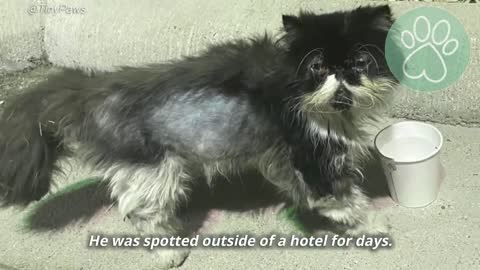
431 40
427 49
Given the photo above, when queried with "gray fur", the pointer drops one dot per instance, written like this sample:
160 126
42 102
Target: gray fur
293 108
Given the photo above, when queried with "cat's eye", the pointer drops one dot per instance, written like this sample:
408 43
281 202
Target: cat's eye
316 64
361 63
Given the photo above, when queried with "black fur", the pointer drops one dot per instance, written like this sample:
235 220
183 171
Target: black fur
230 102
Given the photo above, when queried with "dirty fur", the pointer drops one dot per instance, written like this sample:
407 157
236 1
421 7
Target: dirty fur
293 108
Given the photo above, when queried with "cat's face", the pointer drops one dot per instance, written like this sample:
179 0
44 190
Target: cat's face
340 57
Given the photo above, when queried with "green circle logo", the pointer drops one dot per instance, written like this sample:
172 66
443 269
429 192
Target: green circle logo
427 49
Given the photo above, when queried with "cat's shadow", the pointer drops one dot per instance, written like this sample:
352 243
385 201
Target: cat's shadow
247 193
374 185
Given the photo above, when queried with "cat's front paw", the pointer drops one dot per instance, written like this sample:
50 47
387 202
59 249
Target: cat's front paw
373 224
169 258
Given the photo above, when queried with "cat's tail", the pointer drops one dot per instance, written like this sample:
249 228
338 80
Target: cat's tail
33 127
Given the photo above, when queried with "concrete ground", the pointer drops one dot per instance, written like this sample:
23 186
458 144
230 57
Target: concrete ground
444 235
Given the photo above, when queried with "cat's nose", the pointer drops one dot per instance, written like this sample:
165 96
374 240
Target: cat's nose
339 74
342 99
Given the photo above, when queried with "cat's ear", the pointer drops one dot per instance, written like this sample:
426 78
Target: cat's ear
291 23
382 17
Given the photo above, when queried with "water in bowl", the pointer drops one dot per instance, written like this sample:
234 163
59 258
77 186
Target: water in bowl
408 149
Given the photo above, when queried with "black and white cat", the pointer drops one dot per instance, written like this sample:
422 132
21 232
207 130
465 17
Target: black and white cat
292 108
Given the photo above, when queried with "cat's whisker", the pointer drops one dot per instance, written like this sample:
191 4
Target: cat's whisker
373 58
320 50
374 46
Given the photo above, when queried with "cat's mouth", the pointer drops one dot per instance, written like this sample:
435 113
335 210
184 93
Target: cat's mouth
331 96
342 99
336 95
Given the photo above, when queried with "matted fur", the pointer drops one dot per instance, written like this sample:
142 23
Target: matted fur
149 190
293 108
